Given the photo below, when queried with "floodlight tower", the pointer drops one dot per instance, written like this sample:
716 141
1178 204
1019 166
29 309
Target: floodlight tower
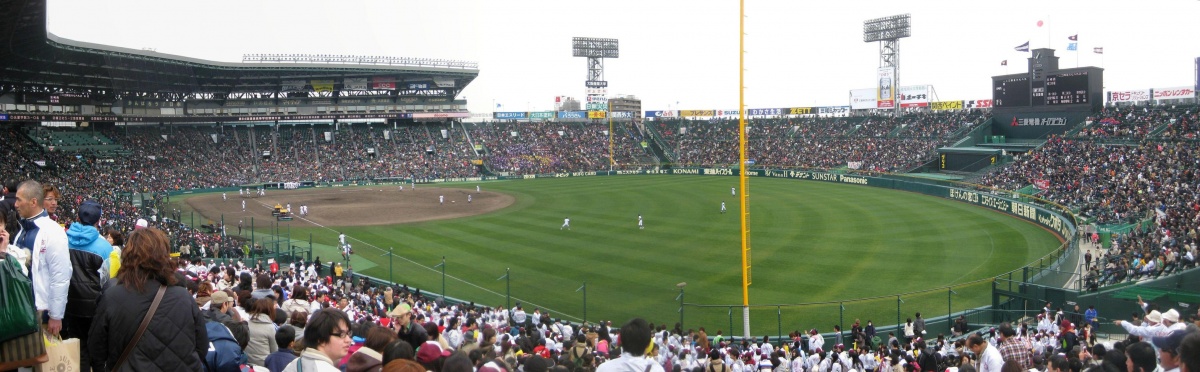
888 31
596 50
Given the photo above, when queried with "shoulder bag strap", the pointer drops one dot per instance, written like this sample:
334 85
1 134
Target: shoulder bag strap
141 328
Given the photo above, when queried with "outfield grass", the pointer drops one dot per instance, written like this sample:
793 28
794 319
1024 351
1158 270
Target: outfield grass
811 242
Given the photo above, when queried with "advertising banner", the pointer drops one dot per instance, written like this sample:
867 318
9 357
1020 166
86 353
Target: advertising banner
622 114
436 115
293 86
572 114
833 110
596 114
417 86
696 113
382 83
914 96
946 105
651 114
668 114
1129 95
542 115
886 91
727 112
1174 93
978 103
511 115
862 99
800 111
765 112
355 84
323 85
443 82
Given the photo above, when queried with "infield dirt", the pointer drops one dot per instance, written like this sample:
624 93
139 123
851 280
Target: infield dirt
352 206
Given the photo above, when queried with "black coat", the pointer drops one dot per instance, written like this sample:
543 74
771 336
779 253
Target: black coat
175 340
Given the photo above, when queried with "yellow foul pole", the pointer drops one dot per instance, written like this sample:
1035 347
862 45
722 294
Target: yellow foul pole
742 190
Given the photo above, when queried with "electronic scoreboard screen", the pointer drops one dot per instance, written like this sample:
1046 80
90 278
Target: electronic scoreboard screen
1011 92
1067 88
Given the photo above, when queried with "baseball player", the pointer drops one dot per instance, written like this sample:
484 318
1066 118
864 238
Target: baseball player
640 225
566 224
722 207
441 199
468 198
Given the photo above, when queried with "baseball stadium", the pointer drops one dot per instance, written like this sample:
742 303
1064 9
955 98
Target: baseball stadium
361 177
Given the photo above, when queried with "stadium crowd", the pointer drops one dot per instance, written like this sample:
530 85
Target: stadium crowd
252 316
874 143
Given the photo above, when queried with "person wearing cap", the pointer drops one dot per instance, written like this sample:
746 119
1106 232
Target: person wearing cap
218 307
431 355
90 258
1152 326
402 323
1168 349
635 341
1170 321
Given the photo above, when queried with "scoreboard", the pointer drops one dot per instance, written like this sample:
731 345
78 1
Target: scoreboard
1067 88
1010 92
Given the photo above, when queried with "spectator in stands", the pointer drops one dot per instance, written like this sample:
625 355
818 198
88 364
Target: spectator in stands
175 339
326 339
635 340
990 359
285 336
51 265
262 331
1140 357
1013 349
89 258
50 203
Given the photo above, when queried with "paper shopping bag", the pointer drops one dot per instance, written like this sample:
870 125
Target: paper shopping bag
63 354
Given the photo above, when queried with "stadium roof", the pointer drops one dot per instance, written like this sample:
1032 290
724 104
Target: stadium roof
32 57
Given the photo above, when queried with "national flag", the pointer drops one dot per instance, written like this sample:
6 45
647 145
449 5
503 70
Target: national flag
1073 46
498 105
1004 63
1023 47
1074 37
1098 50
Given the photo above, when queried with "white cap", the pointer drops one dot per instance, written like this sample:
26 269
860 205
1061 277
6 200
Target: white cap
141 224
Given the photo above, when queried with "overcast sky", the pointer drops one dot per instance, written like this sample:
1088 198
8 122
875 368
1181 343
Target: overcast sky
799 53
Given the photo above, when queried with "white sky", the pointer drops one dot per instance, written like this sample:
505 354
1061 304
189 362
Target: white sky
799 53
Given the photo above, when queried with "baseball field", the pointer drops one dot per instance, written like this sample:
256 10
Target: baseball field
814 243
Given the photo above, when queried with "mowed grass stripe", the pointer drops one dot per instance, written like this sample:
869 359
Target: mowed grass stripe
811 241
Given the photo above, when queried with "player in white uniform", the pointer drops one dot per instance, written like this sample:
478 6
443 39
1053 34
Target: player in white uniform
733 191
640 225
566 224
477 189
243 205
722 207
468 198
441 199
223 197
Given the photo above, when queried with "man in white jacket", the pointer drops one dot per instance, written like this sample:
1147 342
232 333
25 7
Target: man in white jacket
51 264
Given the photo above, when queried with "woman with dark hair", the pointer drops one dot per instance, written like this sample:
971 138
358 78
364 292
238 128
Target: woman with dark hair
262 331
174 340
326 339
299 301
370 356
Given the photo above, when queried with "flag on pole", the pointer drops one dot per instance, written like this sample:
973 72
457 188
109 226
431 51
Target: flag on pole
1004 63
1074 37
1023 47
498 105
581 287
1073 46
1098 50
